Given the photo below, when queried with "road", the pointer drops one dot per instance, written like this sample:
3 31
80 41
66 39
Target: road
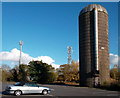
61 90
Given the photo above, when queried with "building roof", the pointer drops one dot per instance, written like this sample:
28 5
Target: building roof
91 7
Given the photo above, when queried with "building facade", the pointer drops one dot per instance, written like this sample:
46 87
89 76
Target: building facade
93 46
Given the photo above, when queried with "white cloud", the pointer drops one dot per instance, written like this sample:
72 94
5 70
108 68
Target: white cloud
45 59
10 56
113 59
13 56
55 65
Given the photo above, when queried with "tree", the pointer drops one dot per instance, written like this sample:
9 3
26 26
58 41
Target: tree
60 74
75 71
15 74
69 72
6 67
5 71
64 72
23 71
114 72
41 72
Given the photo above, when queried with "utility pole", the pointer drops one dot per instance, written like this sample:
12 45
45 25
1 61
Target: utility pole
20 43
69 54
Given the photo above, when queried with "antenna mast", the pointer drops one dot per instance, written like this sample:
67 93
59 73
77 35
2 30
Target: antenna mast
69 54
20 43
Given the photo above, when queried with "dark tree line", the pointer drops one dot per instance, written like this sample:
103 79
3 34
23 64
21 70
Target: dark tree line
39 72
35 71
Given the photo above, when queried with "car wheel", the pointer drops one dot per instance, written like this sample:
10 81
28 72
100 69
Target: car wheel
44 92
18 93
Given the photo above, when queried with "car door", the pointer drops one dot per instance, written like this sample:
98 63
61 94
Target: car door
34 88
26 88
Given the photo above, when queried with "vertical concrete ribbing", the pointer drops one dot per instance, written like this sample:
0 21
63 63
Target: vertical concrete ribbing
96 37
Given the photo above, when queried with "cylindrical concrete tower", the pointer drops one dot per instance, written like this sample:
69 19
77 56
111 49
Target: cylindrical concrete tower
93 45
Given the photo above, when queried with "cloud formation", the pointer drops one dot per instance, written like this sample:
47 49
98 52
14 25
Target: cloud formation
14 54
113 59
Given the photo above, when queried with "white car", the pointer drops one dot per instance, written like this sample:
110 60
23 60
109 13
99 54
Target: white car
25 88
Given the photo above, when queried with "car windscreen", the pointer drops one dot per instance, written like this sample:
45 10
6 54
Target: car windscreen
19 84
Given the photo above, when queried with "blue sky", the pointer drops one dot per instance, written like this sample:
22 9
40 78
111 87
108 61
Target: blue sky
46 29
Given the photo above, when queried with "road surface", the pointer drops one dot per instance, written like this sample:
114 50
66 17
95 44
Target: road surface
67 91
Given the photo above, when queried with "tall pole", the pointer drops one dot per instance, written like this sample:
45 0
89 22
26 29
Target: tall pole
69 54
20 43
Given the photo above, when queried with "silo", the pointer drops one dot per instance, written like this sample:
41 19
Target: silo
93 45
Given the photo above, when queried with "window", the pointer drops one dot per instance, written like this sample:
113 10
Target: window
33 85
19 84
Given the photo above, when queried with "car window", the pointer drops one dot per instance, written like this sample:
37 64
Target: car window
19 84
26 84
36 85
33 85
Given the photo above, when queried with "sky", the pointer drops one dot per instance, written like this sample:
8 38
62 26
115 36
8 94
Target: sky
46 29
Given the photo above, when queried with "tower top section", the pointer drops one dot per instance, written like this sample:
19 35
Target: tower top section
93 6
